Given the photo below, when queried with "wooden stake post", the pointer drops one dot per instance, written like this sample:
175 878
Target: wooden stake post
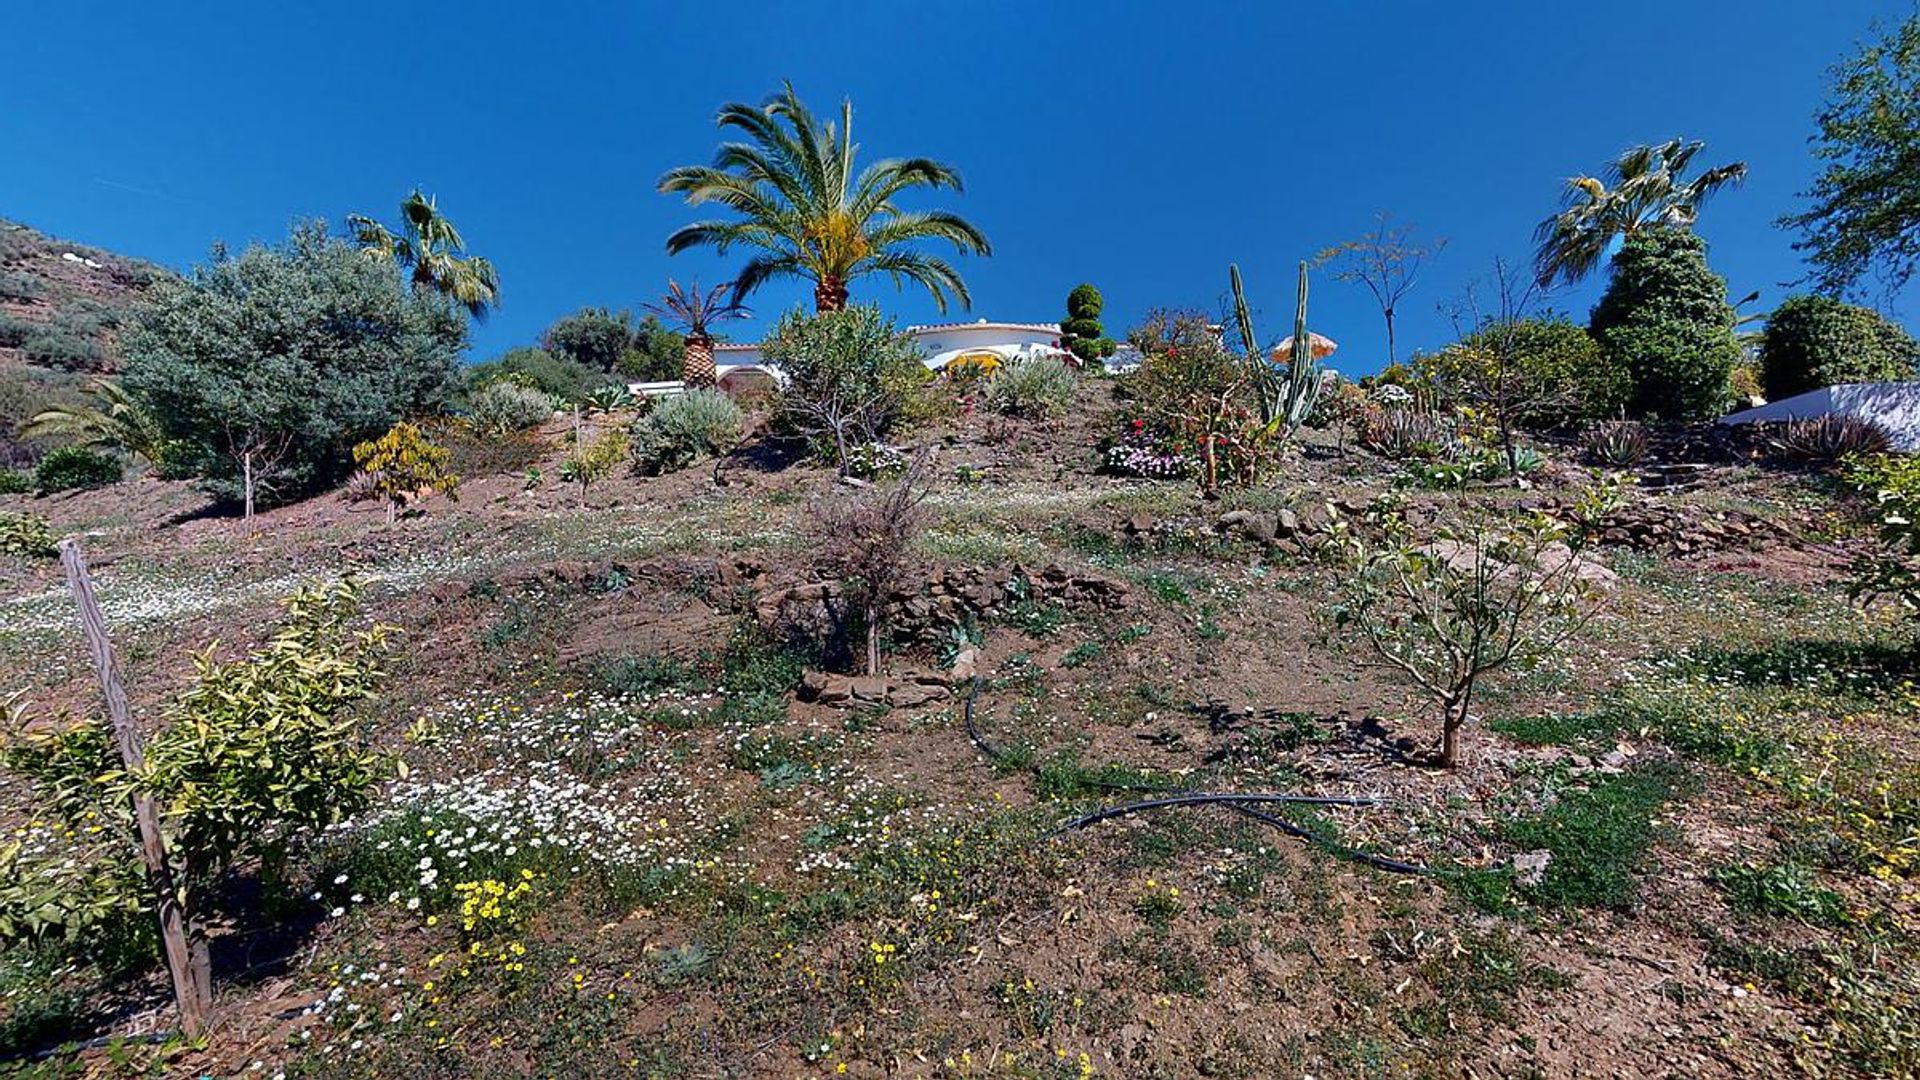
187 962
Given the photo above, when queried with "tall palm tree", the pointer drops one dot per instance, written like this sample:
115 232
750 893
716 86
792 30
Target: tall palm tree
432 250
117 421
808 214
695 312
1643 188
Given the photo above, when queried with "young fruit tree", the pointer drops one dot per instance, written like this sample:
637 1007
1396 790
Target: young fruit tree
402 465
1478 596
258 752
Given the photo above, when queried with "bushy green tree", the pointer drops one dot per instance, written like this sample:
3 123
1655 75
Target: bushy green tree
1865 217
656 354
560 377
594 337
1665 321
852 375
1561 376
1816 341
267 367
1080 332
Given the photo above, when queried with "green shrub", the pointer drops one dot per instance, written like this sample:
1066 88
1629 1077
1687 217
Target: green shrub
1620 444
562 378
500 408
15 482
1827 440
1559 373
26 535
1037 386
57 349
1891 573
72 468
852 378
14 332
1816 341
685 428
1665 321
20 287
1081 333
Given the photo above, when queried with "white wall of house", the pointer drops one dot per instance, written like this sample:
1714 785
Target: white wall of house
1895 406
939 344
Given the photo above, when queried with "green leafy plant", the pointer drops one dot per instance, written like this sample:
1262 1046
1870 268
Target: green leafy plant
1665 320
611 397
1038 386
15 482
404 465
684 428
116 421
432 251
852 377
1830 439
1477 597
258 752
695 313
1619 444
590 462
808 213
1892 484
26 535
1642 192
75 468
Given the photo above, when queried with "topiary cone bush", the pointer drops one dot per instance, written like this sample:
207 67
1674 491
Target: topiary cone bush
1081 333
1665 320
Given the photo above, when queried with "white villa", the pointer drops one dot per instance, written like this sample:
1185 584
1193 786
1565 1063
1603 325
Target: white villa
1895 406
741 368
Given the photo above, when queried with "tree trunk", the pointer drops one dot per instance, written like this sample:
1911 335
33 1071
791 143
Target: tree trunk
393 510
830 295
246 483
183 938
696 364
1455 715
873 636
1392 357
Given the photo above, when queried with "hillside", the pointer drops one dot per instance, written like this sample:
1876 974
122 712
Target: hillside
1662 840
62 306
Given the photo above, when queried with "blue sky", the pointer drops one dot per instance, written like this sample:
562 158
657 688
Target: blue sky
1138 145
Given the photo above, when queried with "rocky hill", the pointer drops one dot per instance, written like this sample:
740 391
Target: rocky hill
61 309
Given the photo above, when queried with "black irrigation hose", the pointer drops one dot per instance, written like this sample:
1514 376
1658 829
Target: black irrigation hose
1236 802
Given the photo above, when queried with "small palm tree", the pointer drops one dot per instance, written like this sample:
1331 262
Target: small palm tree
117 421
432 250
1642 189
807 213
695 312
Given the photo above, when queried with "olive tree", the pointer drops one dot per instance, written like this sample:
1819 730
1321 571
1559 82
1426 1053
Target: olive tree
267 367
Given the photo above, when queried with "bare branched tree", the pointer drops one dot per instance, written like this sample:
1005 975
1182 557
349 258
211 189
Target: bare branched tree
1485 365
1388 261
868 539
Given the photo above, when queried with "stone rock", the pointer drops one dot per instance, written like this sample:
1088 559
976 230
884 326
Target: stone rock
1530 867
864 691
1286 523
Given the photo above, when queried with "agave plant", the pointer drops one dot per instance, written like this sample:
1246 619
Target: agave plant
433 251
608 398
117 421
1617 443
694 313
1828 439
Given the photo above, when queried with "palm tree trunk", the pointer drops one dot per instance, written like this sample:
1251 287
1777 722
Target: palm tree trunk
696 363
830 295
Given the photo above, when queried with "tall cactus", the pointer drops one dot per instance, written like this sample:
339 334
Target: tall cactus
1284 402
1303 371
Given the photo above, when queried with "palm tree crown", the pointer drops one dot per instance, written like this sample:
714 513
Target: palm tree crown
695 312
808 214
1642 189
431 248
